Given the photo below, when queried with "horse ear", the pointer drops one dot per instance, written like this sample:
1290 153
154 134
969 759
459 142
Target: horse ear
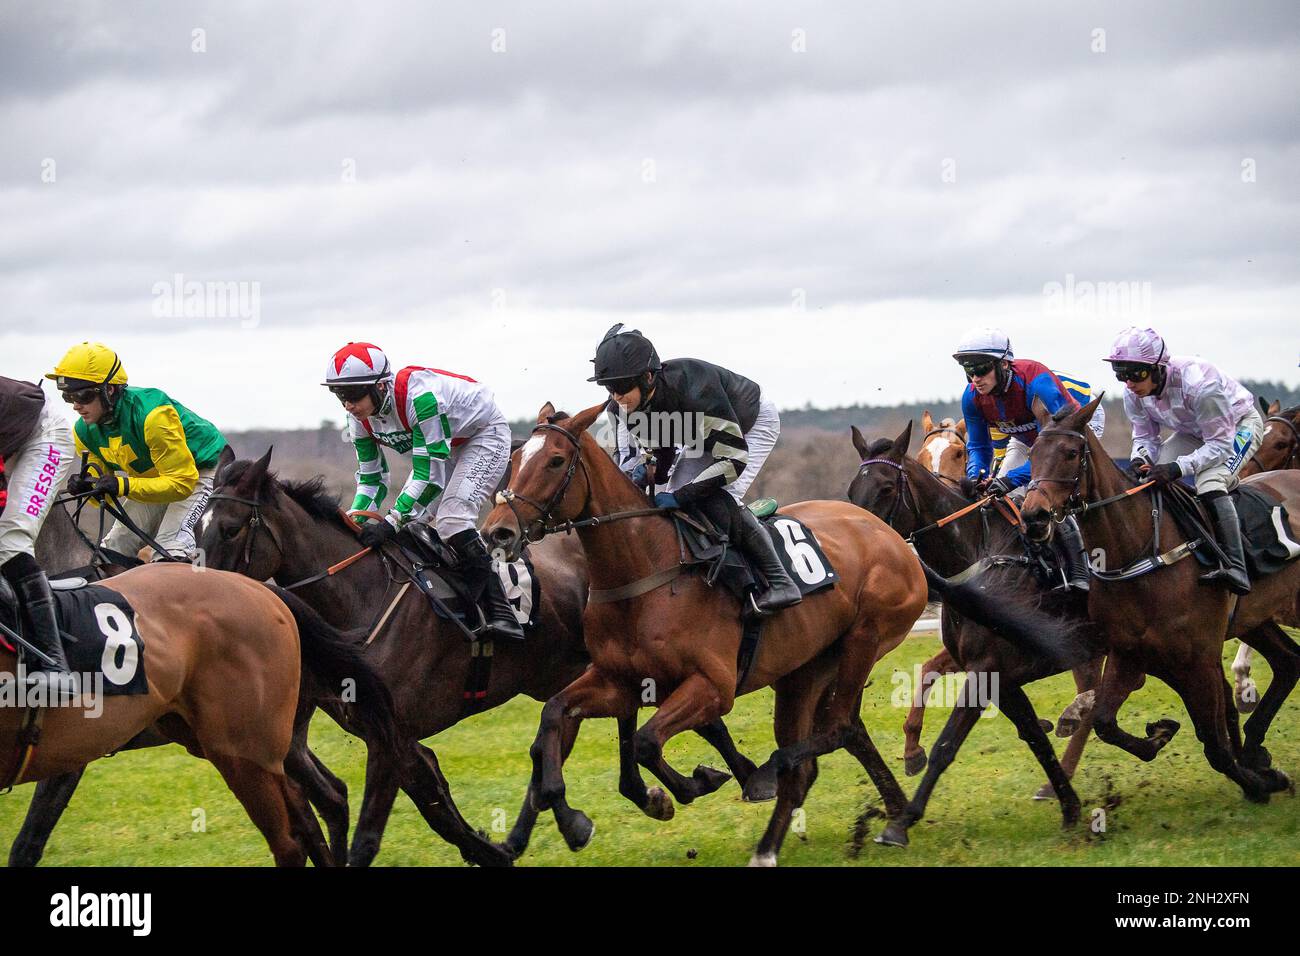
255 477
580 422
1076 420
927 423
961 428
1041 413
859 442
547 411
1275 408
904 439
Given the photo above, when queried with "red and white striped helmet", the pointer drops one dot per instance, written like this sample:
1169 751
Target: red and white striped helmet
1139 346
357 363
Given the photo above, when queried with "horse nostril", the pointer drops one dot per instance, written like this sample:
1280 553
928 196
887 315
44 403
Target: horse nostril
501 536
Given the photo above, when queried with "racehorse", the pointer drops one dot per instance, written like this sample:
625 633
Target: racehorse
1167 623
896 488
943 448
287 532
662 638
224 656
1278 448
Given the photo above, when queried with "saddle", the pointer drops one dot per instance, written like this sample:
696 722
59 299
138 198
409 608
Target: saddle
1270 542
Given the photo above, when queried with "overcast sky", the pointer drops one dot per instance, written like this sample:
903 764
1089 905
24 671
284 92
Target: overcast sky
819 196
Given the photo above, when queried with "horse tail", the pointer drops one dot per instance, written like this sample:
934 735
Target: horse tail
333 658
1052 636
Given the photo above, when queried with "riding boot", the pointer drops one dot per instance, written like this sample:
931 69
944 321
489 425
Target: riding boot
781 591
1073 556
40 625
485 585
1227 529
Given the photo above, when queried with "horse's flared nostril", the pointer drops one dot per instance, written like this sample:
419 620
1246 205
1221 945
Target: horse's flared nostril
501 536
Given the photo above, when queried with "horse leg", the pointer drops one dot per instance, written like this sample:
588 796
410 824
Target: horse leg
1283 657
1245 693
325 791
305 827
574 825
1122 676
1014 702
654 803
423 782
913 753
1202 690
1077 719
376 805
960 723
590 695
264 797
717 735
793 720
694 702
43 813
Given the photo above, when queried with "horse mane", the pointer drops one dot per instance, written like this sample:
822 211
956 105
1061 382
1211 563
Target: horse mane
311 496
879 447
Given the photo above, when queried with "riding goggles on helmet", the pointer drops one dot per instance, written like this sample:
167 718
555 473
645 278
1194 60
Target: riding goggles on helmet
350 393
1132 371
621 386
978 368
80 396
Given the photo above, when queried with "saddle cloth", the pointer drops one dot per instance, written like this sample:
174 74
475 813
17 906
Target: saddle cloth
1270 541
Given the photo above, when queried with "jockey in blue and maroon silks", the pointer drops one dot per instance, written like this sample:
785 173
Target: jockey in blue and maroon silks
1001 396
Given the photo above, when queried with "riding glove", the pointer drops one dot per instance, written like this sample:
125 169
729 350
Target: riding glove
375 533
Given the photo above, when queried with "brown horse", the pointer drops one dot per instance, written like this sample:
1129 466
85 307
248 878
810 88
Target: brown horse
661 638
1167 623
895 487
943 448
224 656
266 528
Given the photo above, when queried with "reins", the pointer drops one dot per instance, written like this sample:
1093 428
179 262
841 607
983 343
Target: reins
906 491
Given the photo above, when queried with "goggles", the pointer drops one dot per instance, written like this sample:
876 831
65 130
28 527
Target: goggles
1131 372
978 369
621 386
350 393
80 396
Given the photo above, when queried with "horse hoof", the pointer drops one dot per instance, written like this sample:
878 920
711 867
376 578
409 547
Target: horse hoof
894 834
761 785
490 854
1246 696
709 779
659 806
914 763
1075 713
1279 782
1045 792
1046 724
1070 813
763 859
1163 730
1257 759
578 831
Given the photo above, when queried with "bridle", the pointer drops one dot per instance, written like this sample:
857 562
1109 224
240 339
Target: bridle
541 526
252 525
1295 438
1074 505
944 430
903 489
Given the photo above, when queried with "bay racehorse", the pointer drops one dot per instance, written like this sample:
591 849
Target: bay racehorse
288 532
895 487
1278 448
661 638
224 658
1167 623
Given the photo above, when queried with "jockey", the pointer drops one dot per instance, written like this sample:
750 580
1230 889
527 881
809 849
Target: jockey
151 452
725 430
1216 427
36 452
460 448
1001 396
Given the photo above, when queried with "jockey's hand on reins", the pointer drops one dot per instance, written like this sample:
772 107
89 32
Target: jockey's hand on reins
1166 474
375 534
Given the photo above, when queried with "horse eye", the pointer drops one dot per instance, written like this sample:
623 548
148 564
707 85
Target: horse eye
557 461
230 531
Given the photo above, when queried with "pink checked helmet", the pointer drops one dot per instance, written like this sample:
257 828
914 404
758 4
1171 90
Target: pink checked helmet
1139 346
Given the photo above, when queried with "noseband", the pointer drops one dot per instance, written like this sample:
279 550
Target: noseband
253 525
541 526
1074 503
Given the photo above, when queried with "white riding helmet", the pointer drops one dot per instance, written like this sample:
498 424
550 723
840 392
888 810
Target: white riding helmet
357 363
984 342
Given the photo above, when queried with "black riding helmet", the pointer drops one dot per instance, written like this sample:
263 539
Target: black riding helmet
623 355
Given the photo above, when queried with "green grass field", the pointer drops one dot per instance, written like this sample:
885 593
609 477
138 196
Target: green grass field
143 809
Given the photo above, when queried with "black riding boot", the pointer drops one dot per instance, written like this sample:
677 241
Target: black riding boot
40 626
781 590
485 585
1073 556
1227 529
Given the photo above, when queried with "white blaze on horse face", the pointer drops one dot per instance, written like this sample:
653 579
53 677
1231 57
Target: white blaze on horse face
531 448
937 446
204 522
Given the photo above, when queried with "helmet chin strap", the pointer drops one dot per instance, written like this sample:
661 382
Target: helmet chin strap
381 399
1003 377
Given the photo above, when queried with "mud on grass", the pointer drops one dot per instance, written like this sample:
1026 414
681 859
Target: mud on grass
162 807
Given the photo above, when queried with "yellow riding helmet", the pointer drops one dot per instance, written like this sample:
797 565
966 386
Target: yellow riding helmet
90 362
